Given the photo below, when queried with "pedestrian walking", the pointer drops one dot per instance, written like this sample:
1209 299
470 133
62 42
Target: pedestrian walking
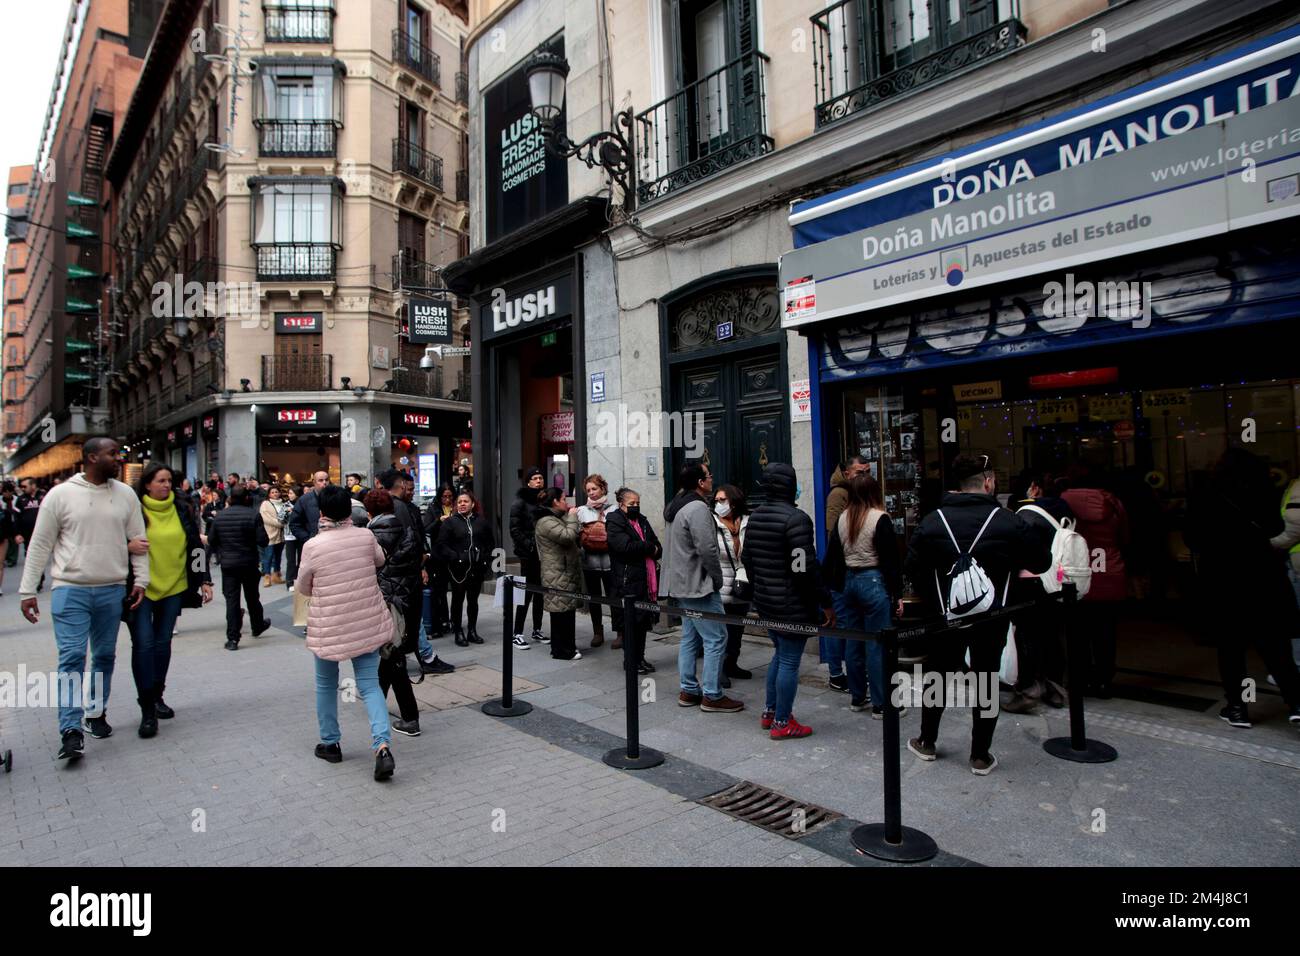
178 579
464 547
780 557
595 553
275 514
236 538
971 548
347 620
401 557
731 516
560 558
400 487
634 553
10 516
831 649
1242 579
523 535
91 514
864 572
29 505
692 579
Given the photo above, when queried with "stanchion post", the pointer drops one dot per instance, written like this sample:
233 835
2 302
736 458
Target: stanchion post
891 840
507 706
1077 747
633 756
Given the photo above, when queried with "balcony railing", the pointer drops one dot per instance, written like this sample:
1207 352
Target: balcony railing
297 373
864 55
410 53
437 382
712 124
412 274
297 137
462 88
462 185
305 22
286 261
417 161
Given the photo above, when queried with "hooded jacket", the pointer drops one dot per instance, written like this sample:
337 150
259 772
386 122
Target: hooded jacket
401 558
692 567
780 554
1104 524
522 528
837 500
560 557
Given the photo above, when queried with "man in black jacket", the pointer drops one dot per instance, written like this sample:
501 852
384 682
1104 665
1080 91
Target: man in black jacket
524 536
237 537
305 517
970 521
780 559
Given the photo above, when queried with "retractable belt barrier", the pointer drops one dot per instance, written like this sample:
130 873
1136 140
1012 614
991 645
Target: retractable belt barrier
889 840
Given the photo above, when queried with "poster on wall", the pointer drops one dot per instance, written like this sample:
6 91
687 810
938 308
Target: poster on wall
801 400
522 180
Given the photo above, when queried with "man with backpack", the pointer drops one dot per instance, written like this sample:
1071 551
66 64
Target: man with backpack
963 557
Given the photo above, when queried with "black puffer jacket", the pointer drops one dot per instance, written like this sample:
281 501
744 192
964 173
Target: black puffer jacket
780 555
402 555
465 543
627 555
236 535
1009 544
523 529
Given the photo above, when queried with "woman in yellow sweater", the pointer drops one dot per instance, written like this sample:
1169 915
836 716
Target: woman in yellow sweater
178 578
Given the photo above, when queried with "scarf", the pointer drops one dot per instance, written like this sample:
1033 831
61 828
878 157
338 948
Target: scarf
651 578
167 558
598 503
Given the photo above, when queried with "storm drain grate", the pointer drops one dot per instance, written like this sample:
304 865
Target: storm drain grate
770 810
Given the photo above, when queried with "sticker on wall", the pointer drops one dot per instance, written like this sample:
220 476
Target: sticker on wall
800 298
801 400
597 386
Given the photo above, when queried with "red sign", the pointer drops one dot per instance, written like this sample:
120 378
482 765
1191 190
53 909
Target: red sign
299 321
171 437
302 416
1123 430
209 423
1087 376
558 427
413 419
188 430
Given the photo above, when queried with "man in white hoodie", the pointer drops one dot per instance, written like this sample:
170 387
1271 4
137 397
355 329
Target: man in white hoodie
86 525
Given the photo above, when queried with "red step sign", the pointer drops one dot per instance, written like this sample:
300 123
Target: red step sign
300 416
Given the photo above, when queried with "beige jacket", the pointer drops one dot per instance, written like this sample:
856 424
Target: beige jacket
271 521
85 528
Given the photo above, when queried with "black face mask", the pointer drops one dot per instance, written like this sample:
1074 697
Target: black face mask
634 511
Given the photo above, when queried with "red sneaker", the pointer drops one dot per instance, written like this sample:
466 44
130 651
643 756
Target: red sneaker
791 729
766 720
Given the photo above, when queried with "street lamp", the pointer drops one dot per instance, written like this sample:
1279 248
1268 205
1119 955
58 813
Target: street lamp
548 75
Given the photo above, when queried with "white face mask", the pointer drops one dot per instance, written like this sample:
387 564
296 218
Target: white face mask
723 509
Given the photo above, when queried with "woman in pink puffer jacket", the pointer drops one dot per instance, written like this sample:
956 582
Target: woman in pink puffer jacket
347 620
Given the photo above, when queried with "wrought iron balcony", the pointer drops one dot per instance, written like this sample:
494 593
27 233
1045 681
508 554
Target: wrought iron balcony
710 125
297 373
288 261
865 54
410 273
277 137
410 53
437 382
413 160
288 21
462 88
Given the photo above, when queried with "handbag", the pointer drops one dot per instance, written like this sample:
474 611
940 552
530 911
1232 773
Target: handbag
300 604
741 590
394 646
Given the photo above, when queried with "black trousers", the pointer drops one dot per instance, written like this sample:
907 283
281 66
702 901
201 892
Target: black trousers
438 583
233 580
598 585
563 630
532 569
948 656
1097 621
392 673
292 550
1244 627
413 613
465 594
1040 640
735 633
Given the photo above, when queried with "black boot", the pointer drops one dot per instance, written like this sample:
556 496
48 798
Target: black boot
472 636
459 637
148 716
160 709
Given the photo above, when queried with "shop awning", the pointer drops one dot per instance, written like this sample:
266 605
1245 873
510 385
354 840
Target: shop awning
79 272
81 307
1197 153
76 199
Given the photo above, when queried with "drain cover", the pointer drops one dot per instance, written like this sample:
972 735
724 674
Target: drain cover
770 810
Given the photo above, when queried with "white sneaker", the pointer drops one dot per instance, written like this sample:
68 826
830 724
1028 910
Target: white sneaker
520 643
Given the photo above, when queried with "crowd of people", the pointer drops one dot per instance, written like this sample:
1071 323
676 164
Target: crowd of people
380 580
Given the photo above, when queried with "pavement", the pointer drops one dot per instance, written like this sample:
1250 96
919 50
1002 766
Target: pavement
232 780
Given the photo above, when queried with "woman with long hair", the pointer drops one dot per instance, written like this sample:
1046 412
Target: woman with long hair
436 617
865 575
396 579
274 517
292 546
594 538
172 529
634 551
730 517
465 543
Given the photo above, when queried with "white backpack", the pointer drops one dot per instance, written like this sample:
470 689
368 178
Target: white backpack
1071 559
969 589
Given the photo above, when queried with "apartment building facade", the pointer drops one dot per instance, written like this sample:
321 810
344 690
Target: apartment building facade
15 304
288 173
58 394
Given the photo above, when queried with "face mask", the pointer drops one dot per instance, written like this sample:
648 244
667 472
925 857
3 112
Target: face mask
634 511
798 491
722 508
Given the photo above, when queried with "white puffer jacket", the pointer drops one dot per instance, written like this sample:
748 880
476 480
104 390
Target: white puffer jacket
727 547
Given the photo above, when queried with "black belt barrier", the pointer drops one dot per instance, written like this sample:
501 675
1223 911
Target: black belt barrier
889 840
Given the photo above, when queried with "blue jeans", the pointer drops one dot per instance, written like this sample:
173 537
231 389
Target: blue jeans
830 651
713 634
271 558
85 615
152 625
863 605
783 673
365 668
